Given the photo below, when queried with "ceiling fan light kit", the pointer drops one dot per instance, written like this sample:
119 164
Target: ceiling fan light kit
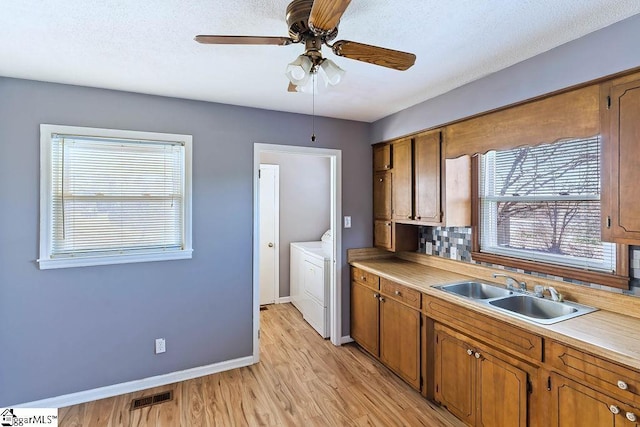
314 23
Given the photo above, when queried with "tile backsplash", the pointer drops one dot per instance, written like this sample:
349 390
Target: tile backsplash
455 243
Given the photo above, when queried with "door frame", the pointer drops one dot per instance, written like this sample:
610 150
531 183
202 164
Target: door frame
335 294
276 238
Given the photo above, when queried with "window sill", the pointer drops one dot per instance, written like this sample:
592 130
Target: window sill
612 280
87 261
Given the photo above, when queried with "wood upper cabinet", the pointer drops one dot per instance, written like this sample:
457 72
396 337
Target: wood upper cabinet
365 316
402 180
621 154
382 195
382 158
427 172
383 234
400 339
481 387
573 404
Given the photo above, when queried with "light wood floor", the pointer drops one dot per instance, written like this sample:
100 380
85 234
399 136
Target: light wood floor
301 380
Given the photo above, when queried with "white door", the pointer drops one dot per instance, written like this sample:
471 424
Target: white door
269 233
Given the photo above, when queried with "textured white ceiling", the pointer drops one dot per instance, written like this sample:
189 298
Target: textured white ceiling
147 46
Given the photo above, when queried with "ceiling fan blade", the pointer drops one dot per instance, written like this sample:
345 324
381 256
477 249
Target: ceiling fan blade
374 55
278 41
325 15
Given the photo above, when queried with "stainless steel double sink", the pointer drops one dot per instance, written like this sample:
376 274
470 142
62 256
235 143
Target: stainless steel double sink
518 304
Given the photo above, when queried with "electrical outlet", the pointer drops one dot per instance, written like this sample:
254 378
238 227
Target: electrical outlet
454 252
161 345
347 222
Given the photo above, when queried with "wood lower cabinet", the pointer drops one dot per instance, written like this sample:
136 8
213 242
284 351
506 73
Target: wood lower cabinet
575 405
365 316
621 151
481 386
400 339
387 325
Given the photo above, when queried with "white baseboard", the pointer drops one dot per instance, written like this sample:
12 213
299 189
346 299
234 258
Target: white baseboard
283 300
346 339
137 385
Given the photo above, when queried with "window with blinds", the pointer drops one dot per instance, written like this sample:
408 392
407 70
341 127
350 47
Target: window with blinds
114 197
542 203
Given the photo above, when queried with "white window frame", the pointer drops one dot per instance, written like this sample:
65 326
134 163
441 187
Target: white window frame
46 197
488 232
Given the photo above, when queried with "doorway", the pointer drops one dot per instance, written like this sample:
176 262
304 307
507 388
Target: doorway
335 162
269 203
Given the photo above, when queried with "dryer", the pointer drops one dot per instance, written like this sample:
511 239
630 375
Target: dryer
310 279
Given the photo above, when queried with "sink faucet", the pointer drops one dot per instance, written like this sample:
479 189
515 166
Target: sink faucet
510 282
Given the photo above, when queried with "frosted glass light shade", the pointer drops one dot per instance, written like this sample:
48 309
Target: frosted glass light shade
298 71
330 72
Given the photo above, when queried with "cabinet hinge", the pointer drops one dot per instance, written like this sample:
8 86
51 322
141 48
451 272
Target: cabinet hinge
437 339
608 102
421 382
549 383
608 221
529 387
437 388
258 333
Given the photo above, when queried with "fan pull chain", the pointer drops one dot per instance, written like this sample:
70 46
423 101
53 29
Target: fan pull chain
313 108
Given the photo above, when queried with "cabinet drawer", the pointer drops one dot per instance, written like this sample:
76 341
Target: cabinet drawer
609 376
495 332
400 293
366 278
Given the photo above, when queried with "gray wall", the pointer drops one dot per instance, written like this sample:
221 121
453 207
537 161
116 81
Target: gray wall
607 51
305 205
74 329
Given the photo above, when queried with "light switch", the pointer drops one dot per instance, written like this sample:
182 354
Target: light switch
347 222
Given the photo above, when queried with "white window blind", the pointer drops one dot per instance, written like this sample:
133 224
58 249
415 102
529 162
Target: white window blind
542 203
116 199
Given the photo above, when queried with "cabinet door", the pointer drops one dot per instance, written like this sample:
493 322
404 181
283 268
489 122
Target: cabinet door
427 194
365 317
621 173
382 157
574 405
400 340
454 376
382 234
402 177
501 392
382 195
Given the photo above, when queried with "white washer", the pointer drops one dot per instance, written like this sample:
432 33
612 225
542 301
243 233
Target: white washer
310 278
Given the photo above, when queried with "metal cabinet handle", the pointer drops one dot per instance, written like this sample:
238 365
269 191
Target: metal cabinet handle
622 385
631 416
270 245
470 352
381 179
387 166
397 293
409 217
418 217
381 299
614 409
363 278
376 295
477 355
389 224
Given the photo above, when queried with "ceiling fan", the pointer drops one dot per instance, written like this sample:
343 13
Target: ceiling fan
314 23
